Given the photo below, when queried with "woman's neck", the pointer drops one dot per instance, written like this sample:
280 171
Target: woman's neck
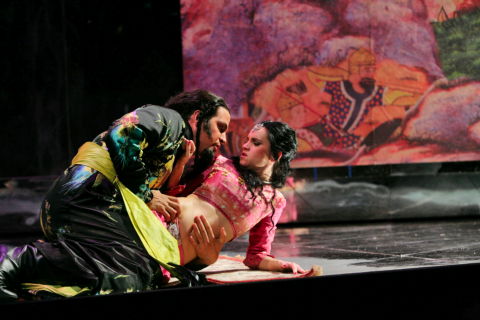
265 173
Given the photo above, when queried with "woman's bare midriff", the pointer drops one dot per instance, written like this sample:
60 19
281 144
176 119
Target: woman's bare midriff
192 206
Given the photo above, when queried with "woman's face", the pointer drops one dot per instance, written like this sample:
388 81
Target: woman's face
256 151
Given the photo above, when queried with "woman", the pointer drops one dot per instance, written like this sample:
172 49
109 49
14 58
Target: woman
237 196
240 195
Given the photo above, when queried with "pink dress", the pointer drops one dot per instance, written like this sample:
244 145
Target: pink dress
225 189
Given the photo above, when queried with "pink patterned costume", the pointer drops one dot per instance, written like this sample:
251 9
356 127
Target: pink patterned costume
226 190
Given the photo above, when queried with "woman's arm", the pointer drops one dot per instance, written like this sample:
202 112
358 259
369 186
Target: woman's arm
260 244
272 264
167 204
177 172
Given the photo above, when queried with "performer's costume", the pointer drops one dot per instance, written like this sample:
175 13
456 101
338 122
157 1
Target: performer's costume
101 235
224 188
348 109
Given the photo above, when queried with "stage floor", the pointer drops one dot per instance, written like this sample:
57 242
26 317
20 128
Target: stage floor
375 246
394 270
360 247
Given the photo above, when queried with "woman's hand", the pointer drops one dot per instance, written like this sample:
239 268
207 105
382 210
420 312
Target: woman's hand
293 267
189 147
180 163
272 264
165 205
203 240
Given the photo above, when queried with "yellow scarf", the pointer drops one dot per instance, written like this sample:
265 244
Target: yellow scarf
158 242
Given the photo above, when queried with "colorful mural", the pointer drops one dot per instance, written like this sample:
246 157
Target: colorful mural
361 82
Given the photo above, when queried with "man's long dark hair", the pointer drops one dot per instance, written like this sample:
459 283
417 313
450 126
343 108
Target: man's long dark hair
283 141
186 103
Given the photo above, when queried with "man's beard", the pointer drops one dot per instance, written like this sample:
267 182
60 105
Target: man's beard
203 160
367 84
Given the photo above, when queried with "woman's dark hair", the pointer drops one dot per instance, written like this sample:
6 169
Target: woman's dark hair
283 148
283 140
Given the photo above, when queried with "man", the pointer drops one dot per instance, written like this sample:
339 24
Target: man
93 218
208 127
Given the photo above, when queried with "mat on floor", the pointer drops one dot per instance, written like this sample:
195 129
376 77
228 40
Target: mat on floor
232 270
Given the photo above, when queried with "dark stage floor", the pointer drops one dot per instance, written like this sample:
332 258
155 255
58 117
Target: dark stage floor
353 248
362 247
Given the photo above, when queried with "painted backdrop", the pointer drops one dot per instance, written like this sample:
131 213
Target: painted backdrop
362 81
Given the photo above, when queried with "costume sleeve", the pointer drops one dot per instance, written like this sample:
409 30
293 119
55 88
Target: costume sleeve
261 236
141 143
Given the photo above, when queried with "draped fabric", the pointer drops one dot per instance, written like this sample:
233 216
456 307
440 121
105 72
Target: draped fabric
159 243
94 216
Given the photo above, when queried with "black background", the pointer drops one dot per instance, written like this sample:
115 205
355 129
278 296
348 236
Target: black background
69 68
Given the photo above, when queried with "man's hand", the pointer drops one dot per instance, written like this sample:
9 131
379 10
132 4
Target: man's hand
203 240
165 205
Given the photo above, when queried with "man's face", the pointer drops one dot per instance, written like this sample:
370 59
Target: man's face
365 77
212 137
367 70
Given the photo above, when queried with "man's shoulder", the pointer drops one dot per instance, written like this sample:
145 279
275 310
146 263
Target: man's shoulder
158 110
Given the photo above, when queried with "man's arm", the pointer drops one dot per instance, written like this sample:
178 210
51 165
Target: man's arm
149 130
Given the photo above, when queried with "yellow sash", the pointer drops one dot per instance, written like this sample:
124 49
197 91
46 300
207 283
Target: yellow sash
158 242
57 289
